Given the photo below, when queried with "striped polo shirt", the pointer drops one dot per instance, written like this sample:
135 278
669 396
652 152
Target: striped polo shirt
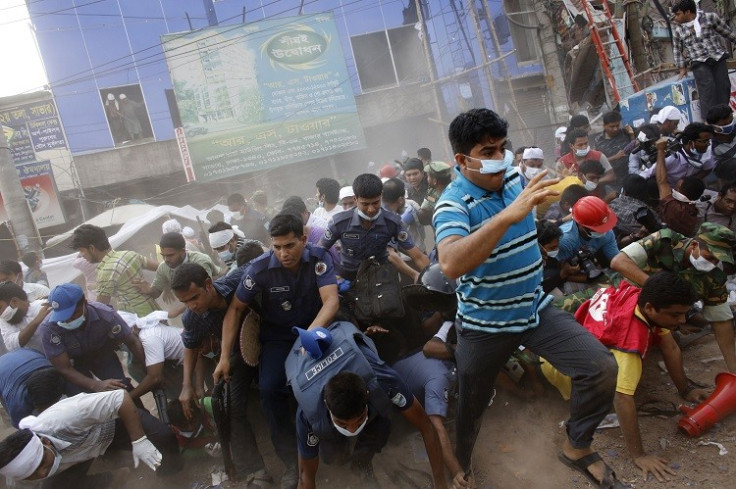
504 294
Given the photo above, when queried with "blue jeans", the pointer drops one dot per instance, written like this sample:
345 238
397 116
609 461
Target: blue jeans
562 341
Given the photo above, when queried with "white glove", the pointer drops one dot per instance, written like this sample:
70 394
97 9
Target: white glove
444 330
144 451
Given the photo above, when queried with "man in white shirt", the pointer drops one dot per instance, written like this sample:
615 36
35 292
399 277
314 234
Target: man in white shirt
328 195
20 318
11 271
61 443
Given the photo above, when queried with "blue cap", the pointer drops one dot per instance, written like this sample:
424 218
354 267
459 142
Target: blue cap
64 299
315 341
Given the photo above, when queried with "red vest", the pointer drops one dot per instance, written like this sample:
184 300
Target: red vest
571 163
610 316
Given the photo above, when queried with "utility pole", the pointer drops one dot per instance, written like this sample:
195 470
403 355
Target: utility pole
484 54
16 205
553 70
636 39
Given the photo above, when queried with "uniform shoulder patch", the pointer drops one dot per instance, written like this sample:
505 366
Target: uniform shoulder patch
328 234
403 236
248 283
399 400
55 339
116 329
312 440
320 268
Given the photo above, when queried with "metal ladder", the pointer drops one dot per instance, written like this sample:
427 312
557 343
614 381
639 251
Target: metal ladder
611 52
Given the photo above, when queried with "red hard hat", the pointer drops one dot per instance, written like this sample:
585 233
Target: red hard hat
592 213
387 171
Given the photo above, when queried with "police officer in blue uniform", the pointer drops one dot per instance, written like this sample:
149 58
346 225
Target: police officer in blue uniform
207 302
15 368
345 390
297 287
367 230
87 333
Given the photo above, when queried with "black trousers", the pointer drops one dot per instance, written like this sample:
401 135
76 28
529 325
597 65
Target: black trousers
714 86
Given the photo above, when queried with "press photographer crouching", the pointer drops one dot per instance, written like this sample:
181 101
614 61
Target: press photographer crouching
556 273
589 243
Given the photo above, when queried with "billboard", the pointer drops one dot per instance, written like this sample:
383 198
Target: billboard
263 95
34 127
126 114
40 191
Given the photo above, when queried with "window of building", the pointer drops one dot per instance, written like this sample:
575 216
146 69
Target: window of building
389 58
525 40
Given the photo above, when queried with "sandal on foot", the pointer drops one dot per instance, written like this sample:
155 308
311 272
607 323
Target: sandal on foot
609 480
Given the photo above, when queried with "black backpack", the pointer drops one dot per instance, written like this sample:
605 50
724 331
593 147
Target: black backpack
377 292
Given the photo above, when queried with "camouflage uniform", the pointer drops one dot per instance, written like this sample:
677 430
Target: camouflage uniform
665 250
435 168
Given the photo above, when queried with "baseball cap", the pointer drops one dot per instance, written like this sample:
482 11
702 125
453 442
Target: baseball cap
533 154
63 299
315 341
346 192
720 240
437 168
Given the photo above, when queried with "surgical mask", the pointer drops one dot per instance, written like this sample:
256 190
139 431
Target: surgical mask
701 264
727 129
345 432
582 152
226 255
590 185
237 216
532 172
680 197
595 234
495 166
72 325
365 216
552 254
8 313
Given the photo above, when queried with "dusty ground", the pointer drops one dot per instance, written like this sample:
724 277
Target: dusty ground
519 442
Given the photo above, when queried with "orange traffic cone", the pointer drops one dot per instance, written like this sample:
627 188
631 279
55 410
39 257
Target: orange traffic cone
720 404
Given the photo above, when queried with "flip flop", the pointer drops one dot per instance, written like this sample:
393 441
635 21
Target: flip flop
581 465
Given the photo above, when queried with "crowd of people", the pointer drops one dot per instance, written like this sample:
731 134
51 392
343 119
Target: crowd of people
428 284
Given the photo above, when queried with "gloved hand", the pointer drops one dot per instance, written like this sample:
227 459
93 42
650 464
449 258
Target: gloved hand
144 451
343 285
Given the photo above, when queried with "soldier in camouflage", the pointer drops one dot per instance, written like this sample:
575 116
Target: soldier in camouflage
698 261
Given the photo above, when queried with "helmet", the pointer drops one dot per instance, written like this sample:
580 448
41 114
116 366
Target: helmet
388 171
433 292
594 214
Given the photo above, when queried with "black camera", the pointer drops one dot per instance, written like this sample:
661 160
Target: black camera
584 259
648 149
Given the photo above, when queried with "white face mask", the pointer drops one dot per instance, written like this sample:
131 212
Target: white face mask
237 216
494 166
8 313
365 216
552 254
345 432
590 185
680 197
701 264
531 172
582 152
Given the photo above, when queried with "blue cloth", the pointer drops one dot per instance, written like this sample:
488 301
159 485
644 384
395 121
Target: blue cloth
102 326
359 243
430 380
390 382
504 294
571 242
15 368
199 326
287 299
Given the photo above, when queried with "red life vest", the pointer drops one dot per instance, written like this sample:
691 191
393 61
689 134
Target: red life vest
610 316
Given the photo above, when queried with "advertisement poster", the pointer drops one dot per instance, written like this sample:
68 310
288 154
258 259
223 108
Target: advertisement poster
263 95
34 127
40 191
126 114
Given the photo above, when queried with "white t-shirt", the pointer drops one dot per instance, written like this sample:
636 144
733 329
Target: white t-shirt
162 343
321 217
35 291
11 332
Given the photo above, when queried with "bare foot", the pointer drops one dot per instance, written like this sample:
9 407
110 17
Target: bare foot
597 469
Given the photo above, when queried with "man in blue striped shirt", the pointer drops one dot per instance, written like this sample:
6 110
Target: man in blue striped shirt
487 239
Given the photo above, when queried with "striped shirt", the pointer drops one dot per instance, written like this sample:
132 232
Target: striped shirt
688 48
504 294
115 274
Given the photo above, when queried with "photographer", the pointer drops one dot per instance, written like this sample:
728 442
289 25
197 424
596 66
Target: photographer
556 273
693 158
720 117
591 232
644 153
677 206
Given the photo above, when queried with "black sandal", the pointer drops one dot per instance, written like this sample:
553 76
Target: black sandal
609 480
